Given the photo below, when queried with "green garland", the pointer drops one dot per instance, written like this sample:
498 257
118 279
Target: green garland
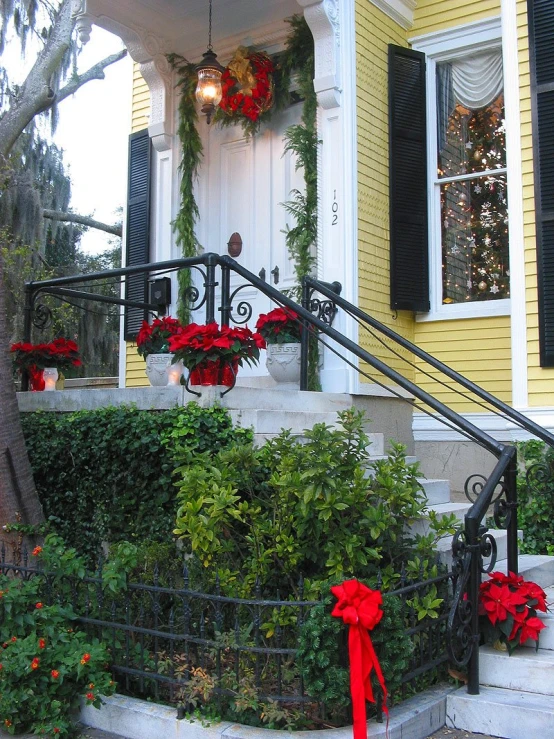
191 145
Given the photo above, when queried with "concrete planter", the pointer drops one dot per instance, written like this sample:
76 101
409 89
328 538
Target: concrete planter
157 366
415 718
283 363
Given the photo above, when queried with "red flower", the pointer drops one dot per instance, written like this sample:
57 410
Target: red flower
55 674
86 657
56 730
14 638
41 643
499 600
35 663
530 629
90 696
38 605
37 551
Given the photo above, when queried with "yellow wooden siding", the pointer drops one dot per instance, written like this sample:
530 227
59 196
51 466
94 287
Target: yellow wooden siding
479 348
540 381
140 115
135 375
140 110
374 32
436 15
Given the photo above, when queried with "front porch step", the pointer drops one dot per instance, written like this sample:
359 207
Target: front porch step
422 525
275 399
501 713
537 568
437 491
525 670
444 548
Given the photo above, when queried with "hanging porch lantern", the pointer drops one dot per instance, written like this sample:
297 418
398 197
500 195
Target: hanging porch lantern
209 71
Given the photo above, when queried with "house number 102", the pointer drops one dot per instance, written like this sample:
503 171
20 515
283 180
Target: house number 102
335 210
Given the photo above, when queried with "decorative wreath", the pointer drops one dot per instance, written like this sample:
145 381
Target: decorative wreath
247 85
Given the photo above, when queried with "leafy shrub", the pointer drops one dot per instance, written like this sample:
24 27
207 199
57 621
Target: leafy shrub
535 485
106 475
46 662
309 508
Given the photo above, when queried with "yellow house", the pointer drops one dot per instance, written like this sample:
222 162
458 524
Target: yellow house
432 123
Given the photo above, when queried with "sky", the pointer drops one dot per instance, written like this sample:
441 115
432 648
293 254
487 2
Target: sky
93 130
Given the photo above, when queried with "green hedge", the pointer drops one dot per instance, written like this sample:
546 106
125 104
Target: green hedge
106 475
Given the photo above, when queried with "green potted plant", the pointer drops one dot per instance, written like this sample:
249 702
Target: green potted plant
281 330
153 345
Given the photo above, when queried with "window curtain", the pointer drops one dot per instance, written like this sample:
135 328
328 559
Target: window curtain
472 81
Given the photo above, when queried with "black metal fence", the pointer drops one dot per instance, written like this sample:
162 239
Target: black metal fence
176 644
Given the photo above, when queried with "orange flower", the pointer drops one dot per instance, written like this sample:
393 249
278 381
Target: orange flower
90 696
7 722
37 551
91 685
41 643
38 605
35 663
55 674
86 657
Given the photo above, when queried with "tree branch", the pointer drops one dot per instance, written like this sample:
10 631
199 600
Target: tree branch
94 73
55 215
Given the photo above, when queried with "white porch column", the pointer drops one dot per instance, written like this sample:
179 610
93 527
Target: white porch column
332 25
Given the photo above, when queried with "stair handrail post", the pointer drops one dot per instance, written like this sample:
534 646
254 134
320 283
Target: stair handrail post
472 528
225 294
511 505
304 337
211 261
27 327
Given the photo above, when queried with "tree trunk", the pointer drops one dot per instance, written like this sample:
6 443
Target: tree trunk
17 488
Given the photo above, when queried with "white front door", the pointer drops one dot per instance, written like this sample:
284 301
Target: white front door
241 187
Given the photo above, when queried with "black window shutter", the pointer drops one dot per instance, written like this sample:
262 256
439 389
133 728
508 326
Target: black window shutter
541 53
409 248
138 228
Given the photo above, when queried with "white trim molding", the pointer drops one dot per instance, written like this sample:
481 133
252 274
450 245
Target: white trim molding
322 17
401 11
427 428
149 51
520 396
442 44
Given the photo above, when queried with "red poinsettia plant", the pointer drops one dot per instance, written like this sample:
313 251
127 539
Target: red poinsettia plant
153 338
247 85
196 344
60 353
279 326
508 606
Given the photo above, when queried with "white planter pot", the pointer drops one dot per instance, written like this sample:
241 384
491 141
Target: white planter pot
156 368
283 363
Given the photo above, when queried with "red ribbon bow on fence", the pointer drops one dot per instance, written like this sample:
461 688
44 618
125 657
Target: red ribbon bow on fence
360 608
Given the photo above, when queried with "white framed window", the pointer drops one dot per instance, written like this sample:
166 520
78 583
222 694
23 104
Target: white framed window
467 191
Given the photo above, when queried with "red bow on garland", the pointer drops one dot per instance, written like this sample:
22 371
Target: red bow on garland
360 608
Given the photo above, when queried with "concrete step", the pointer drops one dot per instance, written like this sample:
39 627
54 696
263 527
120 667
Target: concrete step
422 525
437 491
273 421
278 400
501 713
524 670
537 568
444 547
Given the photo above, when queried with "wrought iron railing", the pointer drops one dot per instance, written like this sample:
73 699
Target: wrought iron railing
473 544
168 638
